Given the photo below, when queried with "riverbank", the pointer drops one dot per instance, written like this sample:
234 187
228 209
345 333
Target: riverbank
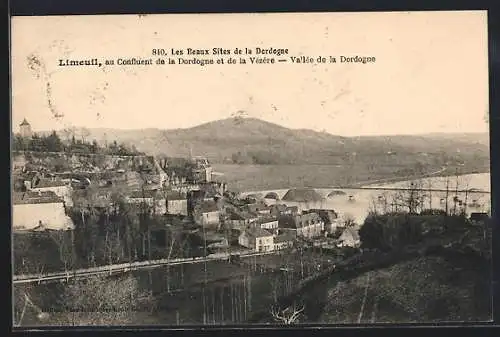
445 277
413 287
250 178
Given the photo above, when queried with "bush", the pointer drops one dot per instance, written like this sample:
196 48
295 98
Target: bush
433 211
389 232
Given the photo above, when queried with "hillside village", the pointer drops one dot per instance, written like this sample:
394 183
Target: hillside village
79 205
51 187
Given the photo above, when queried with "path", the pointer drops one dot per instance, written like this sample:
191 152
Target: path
125 267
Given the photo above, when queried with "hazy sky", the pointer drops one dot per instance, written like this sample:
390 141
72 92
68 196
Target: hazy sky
430 73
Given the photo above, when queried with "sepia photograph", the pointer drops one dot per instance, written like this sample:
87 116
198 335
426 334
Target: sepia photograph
220 170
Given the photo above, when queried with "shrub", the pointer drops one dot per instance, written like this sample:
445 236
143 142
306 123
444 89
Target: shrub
388 232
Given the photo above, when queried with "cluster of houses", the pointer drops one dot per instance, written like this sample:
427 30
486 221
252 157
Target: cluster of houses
273 227
41 200
72 191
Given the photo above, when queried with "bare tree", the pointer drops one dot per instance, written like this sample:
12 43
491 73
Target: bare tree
361 311
348 220
67 133
447 194
466 199
274 289
84 133
410 198
65 248
112 247
172 241
380 203
102 301
23 299
289 315
429 189
455 197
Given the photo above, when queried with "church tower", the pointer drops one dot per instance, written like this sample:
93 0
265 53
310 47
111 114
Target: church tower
25 129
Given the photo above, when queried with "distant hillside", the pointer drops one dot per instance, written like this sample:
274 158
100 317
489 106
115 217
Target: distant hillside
253 141
473 138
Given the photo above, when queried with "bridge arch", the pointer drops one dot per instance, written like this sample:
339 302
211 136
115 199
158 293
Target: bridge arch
272 195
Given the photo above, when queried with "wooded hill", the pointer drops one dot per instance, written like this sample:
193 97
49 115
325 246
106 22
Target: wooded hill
253 141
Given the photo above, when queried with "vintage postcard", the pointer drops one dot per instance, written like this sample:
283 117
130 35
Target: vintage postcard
226 169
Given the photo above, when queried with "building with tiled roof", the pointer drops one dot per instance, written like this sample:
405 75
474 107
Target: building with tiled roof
30 197
329 217
257 239
153 199
207 214
60 188
282 209
307 225
35 210
258 207
267 222
283 241
241 219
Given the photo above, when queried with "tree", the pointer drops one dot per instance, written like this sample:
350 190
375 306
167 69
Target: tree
94 147
289 315
65 247
67 133
363 303
22 302
409 199
84 132
53 143
348 221
20 144
103 301
390 231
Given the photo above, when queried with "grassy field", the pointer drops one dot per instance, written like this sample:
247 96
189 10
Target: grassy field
267 177
264 177
427 289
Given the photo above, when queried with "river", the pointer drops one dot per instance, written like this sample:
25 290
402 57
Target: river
357 203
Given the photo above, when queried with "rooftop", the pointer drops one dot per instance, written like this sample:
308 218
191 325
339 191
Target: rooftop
283 238
256 207
350 232
139 194
243 215
20 198
267 219
24 122
175 195
258 232
299 221
207 206
42 183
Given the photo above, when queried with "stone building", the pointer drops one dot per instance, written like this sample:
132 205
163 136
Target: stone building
35 210
25 129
